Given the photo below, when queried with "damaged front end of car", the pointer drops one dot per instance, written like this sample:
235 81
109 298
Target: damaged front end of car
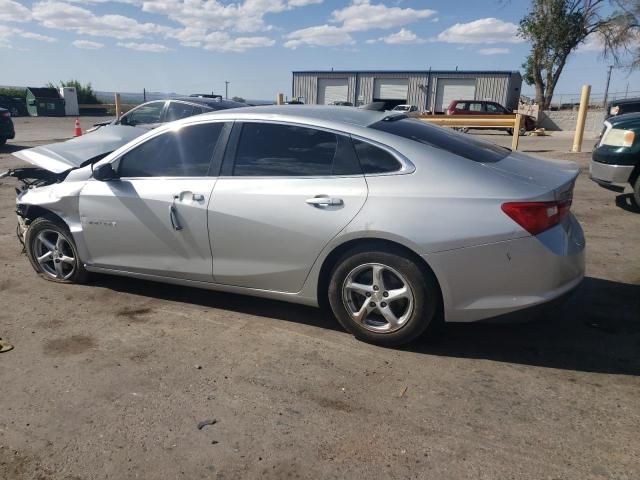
51 187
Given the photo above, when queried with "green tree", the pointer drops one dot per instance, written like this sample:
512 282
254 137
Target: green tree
85 93
13 92
623 34
239 99
555 28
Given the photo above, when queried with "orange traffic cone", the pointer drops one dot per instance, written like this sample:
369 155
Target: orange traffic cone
77 132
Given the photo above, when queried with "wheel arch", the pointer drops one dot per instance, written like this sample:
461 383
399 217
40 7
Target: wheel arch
331 260
32 212
634 174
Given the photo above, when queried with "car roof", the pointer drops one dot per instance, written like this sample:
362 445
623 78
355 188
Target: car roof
215 103
318 114
626 117
624 100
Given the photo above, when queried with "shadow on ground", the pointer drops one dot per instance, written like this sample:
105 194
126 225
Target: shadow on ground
12 147
596 330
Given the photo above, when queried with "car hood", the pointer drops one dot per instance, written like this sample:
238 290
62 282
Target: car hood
74 153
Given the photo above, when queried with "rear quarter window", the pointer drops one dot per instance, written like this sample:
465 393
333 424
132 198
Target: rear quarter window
444 139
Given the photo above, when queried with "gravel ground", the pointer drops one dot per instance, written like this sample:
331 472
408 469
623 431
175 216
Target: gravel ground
110 380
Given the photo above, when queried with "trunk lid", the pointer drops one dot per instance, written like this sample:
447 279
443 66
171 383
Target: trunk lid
74 153
552 175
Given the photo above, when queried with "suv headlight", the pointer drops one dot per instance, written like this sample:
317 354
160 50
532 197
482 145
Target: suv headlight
617 137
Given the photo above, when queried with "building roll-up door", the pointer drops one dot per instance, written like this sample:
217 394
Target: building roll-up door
450 89
390 88
331 90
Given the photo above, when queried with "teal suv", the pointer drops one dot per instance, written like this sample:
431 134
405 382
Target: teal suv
616 159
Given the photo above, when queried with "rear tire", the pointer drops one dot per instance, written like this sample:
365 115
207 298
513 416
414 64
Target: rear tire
382 297
53 253
3 141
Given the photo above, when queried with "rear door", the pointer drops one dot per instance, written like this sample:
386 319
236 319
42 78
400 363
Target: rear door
284 192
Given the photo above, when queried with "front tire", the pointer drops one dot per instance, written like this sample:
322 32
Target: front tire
382 297
636 191
53 253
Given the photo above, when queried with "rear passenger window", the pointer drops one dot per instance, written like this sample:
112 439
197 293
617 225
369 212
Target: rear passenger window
267 149
375 159
463 145
186 152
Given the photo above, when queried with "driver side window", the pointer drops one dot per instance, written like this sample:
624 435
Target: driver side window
186 152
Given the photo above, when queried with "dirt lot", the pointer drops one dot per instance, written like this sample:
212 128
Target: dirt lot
111 379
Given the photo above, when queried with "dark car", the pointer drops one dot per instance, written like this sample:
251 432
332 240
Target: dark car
615 162
484 107
6 126
151 114
380 105
620 107
16 106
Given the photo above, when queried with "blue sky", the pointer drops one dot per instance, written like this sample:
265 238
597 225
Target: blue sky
195 45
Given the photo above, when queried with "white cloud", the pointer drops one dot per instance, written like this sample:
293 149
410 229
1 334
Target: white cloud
144 47
223 42
8 33
64 16
37 36
87 44
484 30
493 51
11 11
321 35
362 15
240 16
403 37
303 3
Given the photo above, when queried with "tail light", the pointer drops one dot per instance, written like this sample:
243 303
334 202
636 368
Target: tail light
536 217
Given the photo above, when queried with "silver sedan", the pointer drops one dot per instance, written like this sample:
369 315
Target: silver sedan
394 223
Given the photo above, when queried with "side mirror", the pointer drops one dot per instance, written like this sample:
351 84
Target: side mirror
104 172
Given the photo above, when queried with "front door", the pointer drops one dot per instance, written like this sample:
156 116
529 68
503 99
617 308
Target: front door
153 218
286 191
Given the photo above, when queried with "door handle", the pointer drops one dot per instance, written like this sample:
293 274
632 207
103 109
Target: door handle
324 201
173 215
189 196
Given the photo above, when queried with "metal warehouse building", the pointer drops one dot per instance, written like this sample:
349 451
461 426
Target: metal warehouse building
428 90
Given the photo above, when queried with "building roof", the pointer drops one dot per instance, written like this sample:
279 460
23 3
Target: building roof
44 92
414 72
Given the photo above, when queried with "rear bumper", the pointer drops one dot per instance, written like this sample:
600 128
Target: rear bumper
492 280
606 174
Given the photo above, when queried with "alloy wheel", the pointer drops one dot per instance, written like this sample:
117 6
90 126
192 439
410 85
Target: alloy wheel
54 254
378 297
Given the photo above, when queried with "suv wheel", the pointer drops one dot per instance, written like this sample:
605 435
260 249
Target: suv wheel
382 297
53 253
636 191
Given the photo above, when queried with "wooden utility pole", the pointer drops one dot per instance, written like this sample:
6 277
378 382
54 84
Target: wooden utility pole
582 117
606 89
516 132
118 107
